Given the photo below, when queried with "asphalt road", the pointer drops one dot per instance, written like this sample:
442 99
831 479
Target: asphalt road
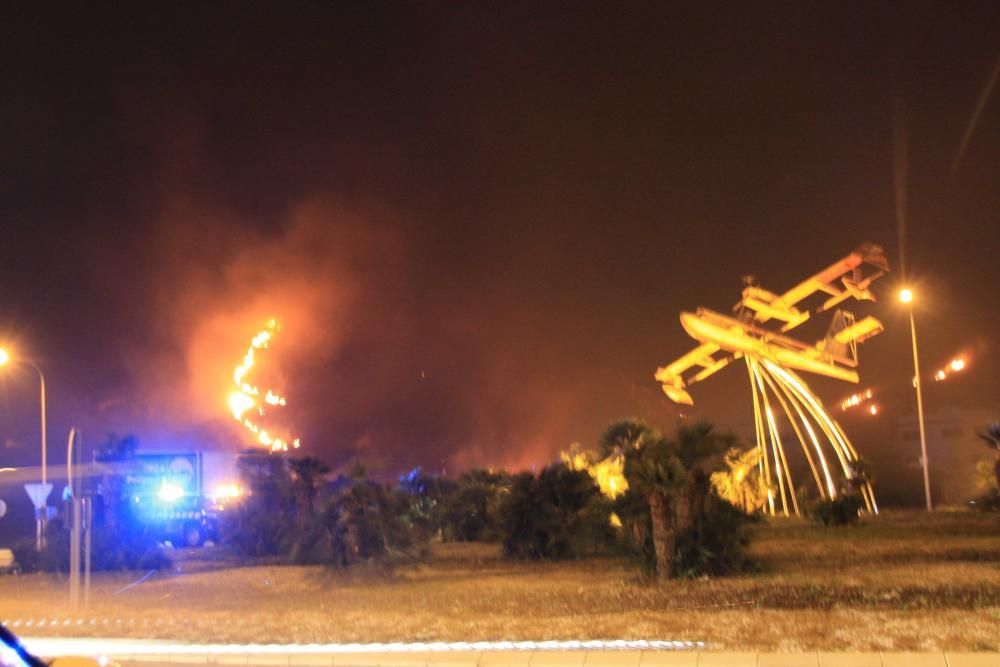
133 653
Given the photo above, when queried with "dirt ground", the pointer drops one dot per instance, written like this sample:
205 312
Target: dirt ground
898 582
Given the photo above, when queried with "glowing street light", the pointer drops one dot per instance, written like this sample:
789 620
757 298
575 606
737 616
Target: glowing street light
857 399
6 358
954 366
906 296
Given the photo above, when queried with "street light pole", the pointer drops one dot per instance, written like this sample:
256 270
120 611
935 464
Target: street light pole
5 357
40 521
906 296
41 380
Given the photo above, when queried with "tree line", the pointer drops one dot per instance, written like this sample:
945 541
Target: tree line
677 505
671 519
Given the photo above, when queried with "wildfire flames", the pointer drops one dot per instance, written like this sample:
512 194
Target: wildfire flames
245 398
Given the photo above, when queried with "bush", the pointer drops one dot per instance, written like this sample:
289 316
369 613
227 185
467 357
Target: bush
429 497
110 551
255 530
559 514
286 515
26 558
369 521
844 510
471 512
526 520
264 522
465 517
717 543
636 534
988 502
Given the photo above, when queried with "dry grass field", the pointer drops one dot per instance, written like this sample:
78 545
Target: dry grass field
899 582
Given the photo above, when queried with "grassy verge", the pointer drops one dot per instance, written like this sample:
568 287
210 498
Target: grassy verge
901 582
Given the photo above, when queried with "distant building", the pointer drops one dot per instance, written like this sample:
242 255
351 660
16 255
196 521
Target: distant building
953 450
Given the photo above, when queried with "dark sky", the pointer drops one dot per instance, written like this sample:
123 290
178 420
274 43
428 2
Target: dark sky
478 222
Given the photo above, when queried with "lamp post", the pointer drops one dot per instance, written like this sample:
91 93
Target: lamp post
4 359
906 296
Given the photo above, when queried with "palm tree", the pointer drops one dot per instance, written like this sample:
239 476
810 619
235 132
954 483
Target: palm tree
700 449
113 497
655 472
992 439
672 475
307 476
647 476
624 435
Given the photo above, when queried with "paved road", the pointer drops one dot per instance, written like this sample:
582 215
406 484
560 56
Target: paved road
606 659
157 653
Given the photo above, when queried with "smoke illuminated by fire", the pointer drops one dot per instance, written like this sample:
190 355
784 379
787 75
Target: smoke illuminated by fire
246 397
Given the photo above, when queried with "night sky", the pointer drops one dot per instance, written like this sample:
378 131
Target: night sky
478 223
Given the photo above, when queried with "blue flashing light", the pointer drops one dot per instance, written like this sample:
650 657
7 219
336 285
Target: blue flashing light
170 492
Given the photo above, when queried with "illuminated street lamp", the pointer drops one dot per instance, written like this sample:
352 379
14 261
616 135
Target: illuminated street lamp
5 358
906 296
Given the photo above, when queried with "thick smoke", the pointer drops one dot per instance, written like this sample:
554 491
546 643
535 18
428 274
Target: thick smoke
384 353
207 281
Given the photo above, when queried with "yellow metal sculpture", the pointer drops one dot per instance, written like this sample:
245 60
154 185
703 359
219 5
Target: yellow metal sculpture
772 357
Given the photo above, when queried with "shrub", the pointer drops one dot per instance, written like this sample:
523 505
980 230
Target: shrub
255 530
264 522
526 520
429 497
471 512
370 521
717 543
286 514
110 551
987 502
559 514
25 556
636 534
844 510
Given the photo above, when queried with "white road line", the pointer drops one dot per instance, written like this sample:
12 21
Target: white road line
55 646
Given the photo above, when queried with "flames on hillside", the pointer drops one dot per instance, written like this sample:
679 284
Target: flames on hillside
246 400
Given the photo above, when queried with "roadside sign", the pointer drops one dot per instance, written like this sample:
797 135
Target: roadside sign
38 493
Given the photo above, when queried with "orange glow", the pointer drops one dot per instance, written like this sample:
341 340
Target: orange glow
609 474
905 295
228 491
873 409
4 356
956 365
244 398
